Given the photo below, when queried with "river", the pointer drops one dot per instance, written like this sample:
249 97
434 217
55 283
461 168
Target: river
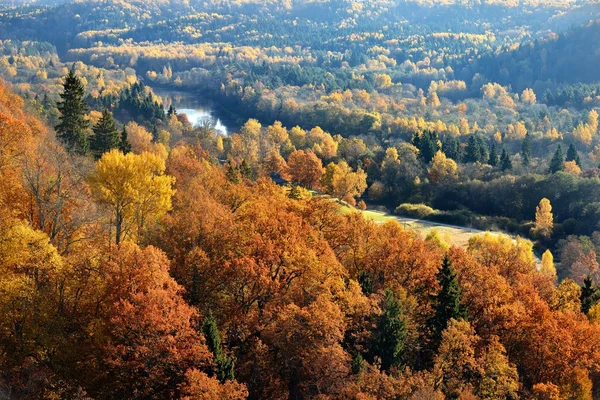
197 109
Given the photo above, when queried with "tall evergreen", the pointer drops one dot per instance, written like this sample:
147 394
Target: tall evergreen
572 155
391 333
558 161
124 144
447 303
493 161
526 149
590 294
106 135
428 144
224 365
72 126
451 148
476 150
505 162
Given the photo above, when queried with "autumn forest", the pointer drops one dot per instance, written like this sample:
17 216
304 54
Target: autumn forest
405 202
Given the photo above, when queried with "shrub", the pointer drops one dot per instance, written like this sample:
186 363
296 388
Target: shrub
414 210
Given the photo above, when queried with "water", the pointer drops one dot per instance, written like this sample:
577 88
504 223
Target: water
197 109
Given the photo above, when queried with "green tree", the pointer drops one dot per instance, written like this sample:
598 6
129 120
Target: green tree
476 150
106 136
451 148
124 144
526 149
391 333
589 294
493 161
224 365
447 302
505 162
558 161
572 155
428 144
71 128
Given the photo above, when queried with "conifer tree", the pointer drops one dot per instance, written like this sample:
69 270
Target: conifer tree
428 145
447 303
505 162
589 294
572 155
451 148
526 149
71 129
558 161
124 144
106 136
391 333
224 365
493 161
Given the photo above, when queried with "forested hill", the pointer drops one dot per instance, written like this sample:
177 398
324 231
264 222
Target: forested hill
566 58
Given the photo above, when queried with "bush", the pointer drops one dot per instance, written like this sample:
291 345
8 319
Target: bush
414 210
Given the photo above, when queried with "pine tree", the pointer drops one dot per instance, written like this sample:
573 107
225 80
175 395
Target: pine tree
572 155
224 365
493 161
428 145
71 129
447 302
505 162
558 161
124 144
476 150
106 136
589 294
526 149
451 148
391 333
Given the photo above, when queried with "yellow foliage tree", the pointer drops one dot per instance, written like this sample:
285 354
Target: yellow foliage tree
544 219
547 267
442 168
134 187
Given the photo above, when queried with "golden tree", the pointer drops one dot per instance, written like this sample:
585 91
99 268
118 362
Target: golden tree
134 187
544 219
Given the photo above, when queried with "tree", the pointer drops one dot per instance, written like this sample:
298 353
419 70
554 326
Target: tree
71 129
505 162
558 161
447 303
572 155
106 136
389 337
451 148
224 365
493 161
124 144
590 295
544 219
500 379
339 180
547 267
428 144
526 149
134 187
305 168
442 169
476 150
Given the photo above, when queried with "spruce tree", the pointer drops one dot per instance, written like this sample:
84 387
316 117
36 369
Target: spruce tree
390 334
106 136
493 161
447 303
428 145
476 150
505 162
71 129
124 144
572 155
526 149
451 148
558 161
224 365
589 294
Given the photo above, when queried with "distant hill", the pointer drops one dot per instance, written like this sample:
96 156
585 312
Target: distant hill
567 58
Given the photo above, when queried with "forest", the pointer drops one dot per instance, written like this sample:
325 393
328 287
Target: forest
143 256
